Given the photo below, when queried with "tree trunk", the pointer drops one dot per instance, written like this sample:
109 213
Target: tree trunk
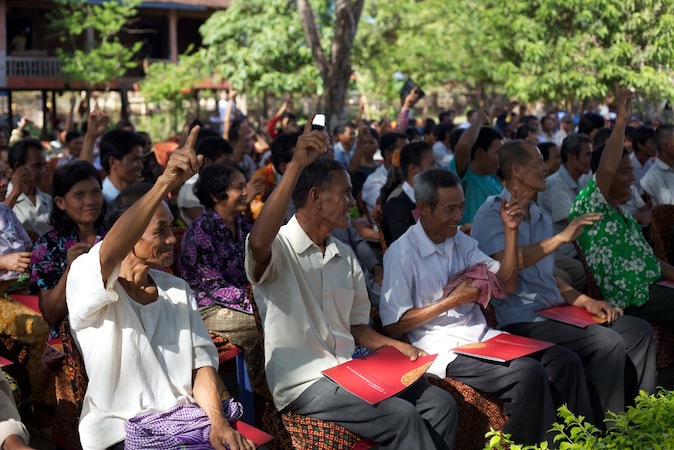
335 68
124 96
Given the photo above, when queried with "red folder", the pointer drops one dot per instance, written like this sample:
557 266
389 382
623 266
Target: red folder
573 315
5 362
379 375
258 437
502 348
29 301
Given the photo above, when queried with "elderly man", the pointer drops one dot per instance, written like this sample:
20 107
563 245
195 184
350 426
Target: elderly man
144 345
313 303
418 266
608 353
624 265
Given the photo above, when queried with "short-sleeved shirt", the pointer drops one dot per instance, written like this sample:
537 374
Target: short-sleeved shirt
476 189
34 217
536 285
136 362
212 261
622 262
372 187
110 191
13 238
308 301
640 170
659 183
416 271
187 199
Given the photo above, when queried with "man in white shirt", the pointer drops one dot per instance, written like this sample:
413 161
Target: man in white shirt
31 206
659 181
122 159
643 152
313 303
418 266
144 345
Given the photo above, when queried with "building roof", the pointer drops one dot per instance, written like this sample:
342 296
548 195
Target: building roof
188 4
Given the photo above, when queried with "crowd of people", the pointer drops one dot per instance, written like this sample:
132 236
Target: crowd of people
326 225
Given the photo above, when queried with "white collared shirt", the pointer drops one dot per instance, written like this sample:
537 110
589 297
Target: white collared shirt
308 300
409 190
110 192
659 183
34 218
136 362
372 187
416 272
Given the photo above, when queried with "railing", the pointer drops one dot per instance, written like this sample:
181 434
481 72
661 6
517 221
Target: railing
44 67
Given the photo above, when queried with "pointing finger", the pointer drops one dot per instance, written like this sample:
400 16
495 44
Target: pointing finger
310 121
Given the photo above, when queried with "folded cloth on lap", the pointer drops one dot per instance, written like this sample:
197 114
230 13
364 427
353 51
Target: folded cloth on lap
183 426
489 284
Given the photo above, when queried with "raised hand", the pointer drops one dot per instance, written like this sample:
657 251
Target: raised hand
412 98
624 103
183 163
574 229
512 212
97 122
483 117
310 145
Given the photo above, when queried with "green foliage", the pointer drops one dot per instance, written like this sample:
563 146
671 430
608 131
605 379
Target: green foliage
575 49
168 86
259 45
104 59
647 425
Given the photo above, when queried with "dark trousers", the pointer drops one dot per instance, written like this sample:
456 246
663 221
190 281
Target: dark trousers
619 360
531 388
422 416
658 309
117 446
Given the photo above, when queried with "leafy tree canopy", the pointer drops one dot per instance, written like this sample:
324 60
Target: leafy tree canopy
103 59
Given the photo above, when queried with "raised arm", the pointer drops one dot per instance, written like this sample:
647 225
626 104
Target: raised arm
354 162
309 146
97 122
468 140
610 158
124 234
404 114
511 214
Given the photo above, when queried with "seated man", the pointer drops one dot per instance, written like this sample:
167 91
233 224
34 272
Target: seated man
313 303
122 159
30 204
658 182
560 192
622 262
603 350
417 268
144 345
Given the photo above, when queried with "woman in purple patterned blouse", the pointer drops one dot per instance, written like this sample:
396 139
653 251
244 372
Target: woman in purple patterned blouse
212 261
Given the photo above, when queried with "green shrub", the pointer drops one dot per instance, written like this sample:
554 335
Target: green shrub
647 425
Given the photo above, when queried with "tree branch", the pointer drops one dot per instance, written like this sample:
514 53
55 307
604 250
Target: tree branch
312 36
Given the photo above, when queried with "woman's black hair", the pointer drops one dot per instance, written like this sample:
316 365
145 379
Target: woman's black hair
410 154
65 177
214 182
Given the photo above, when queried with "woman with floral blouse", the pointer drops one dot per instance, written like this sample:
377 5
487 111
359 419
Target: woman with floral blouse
77 217
212 261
